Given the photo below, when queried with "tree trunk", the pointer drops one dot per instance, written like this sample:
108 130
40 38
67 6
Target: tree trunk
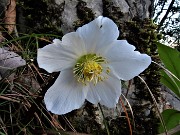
131 18
123 10
63 16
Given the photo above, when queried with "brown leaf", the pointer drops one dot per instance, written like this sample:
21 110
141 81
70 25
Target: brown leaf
1 37
28 82
9 60
10 16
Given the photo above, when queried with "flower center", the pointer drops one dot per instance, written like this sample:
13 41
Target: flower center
88 68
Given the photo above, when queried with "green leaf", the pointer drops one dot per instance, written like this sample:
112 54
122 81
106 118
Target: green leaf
1 133
171 59
171 118
178 133
170 82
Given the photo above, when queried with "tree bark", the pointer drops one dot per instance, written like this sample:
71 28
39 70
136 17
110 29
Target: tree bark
128 15
56 16
128 8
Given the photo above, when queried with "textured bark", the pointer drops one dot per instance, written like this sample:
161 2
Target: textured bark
58 17
129 9
62 16
3 4
78 12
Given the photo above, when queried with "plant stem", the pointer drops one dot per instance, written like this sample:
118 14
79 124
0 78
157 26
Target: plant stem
104 120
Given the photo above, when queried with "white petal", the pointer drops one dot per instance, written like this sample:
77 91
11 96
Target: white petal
98 34
93 95
57 42
106 92
74 40
56 57
65 95
126 62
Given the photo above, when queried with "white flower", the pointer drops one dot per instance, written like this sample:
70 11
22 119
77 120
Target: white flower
92 62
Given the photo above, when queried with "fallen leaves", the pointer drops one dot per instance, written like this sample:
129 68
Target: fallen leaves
8 61
10 16
8 19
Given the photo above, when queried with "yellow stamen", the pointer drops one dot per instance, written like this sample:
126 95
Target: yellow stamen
89 69
92 70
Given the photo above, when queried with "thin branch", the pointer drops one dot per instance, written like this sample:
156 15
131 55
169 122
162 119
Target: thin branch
160 10
129 108
166 15
128 120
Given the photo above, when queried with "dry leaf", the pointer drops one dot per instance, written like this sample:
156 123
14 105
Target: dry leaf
1 37
9 60
10 16
28 82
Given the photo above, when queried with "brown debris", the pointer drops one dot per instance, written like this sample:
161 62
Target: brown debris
10 16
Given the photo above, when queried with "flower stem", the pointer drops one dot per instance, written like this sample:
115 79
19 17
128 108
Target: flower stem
156 105
104 120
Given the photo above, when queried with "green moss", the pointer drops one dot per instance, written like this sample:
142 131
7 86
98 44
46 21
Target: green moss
45 18
84 14
111 11
39 16
142 34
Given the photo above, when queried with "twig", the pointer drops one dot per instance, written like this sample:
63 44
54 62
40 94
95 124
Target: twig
165 16
129 123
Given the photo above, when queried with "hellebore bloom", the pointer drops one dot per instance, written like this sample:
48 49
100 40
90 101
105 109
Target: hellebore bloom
92 62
